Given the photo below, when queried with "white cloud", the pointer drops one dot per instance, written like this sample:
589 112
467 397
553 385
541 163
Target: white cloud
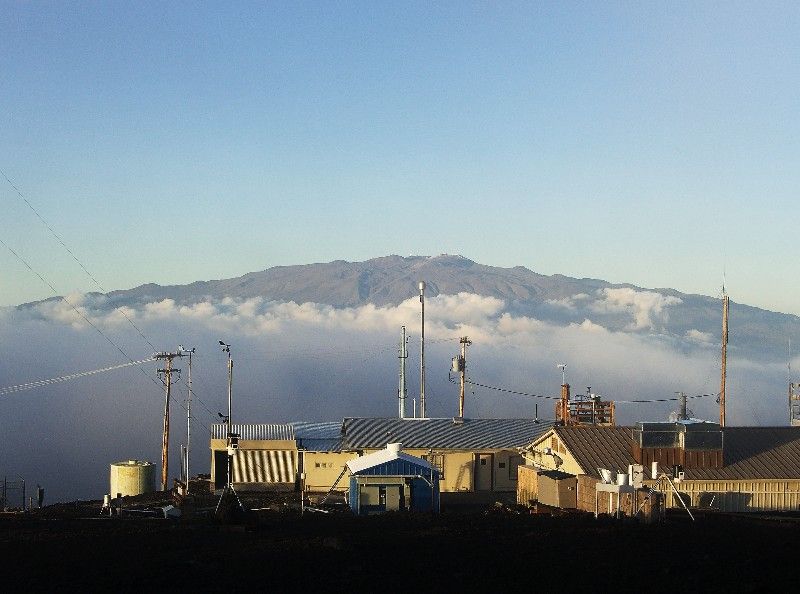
572 302
697 336
647 308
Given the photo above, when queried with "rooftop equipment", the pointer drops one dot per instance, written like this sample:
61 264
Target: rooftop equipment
691 443
590 410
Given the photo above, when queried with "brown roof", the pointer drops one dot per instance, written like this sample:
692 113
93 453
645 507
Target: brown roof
748 452
598 447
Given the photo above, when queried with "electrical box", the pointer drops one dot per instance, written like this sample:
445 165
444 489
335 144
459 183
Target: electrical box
636 475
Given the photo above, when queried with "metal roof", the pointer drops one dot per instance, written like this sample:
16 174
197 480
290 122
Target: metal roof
318 437
264 431
756 452
471 434
385 456
598 447
748 452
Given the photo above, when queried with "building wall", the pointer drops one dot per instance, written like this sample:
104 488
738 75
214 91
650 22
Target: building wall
458 466
528 484
323 468
739 495
280 445
558 459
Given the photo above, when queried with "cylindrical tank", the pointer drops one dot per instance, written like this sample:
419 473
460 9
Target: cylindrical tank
132 477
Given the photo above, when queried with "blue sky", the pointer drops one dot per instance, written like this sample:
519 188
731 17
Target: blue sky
172 142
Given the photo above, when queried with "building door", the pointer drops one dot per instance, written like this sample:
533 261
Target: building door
220 469
394 497
483 471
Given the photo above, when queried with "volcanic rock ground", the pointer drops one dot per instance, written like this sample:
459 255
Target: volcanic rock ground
70 547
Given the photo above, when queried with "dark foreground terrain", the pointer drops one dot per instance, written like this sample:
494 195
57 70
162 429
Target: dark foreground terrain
490 552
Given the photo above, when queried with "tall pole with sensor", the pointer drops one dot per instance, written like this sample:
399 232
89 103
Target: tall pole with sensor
232 441
422 351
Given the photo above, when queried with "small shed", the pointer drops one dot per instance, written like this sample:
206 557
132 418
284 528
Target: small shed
558 489
390 480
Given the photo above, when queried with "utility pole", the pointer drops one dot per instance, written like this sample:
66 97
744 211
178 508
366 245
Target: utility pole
725 308
422 351
167 370
402 392
460 365
188 414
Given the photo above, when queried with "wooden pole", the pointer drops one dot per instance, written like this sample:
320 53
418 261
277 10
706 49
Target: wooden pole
722 387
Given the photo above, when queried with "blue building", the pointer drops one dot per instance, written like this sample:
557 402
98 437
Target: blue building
389 480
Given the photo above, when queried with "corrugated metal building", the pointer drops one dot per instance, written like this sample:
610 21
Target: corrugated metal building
477 459
266 458
473 456
760 468
391 480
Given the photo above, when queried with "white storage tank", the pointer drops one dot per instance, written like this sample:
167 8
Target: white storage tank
132 477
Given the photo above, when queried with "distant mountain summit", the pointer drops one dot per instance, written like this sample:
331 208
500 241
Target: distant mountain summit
388 280
688 319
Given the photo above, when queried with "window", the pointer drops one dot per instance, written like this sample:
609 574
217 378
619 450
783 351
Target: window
513 466
437 461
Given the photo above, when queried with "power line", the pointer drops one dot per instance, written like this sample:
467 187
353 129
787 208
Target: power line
88 273
64 378
643 401
74 257
83 316
74 307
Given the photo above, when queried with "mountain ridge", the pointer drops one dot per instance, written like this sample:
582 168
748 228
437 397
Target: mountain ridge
560 299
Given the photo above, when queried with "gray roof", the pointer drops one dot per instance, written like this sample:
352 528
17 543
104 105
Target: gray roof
471 434
748 452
